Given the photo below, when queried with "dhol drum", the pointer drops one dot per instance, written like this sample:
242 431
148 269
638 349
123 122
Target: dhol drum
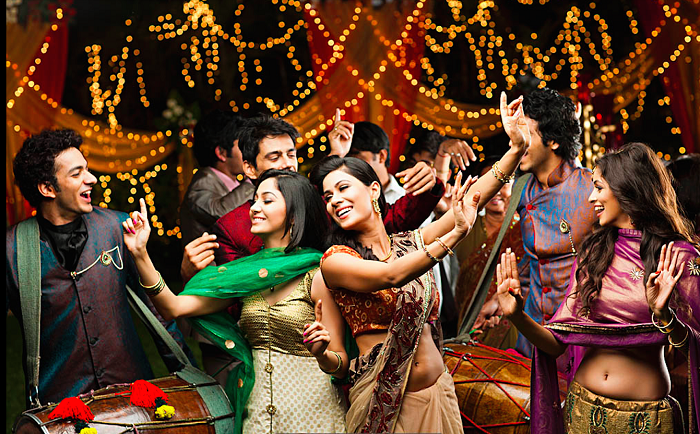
493 388
201 406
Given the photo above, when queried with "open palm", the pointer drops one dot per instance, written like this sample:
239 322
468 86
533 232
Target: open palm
509 296
660 284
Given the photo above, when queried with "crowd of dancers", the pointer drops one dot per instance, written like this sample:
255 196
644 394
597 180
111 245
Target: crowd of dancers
321 302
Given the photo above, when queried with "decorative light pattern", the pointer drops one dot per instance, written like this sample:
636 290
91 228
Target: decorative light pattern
583 33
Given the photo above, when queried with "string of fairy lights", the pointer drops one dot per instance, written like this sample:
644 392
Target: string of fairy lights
584 32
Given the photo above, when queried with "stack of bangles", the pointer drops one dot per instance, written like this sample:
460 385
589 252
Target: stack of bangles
669 327
153 290
444 246
340 363
500 175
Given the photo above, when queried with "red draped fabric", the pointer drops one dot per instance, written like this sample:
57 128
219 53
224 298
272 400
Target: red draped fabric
370 74
681 80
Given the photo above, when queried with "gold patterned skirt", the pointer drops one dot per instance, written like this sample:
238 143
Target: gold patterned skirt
296 397
588 413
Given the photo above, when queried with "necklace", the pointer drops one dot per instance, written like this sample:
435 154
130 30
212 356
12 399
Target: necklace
391 252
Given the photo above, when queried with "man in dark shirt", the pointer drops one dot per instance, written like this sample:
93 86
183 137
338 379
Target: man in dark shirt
87 337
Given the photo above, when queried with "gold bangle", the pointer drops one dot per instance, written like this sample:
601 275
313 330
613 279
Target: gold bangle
340 363
152 286
425 249
665 328
681 343
444 246
500 175
153 290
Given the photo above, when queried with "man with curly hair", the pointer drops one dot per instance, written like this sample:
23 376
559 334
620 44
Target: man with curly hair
87 336
554 211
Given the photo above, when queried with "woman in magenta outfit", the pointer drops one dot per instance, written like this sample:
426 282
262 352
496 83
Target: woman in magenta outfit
635 289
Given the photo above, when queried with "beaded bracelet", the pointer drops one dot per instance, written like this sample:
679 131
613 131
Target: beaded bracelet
444 246
666 329
340 363
425 249
500 175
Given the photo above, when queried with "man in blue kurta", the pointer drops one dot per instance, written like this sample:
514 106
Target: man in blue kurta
87 336
555 215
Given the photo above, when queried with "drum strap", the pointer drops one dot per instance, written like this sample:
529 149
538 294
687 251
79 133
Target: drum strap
479 297
155 326
29 278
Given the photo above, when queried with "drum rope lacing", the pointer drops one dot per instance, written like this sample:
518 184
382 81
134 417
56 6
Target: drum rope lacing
506 358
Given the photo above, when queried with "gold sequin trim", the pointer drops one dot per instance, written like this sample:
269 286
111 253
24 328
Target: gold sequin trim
694 266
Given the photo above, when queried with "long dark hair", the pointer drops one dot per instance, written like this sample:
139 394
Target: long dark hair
643 188
366 175
306 218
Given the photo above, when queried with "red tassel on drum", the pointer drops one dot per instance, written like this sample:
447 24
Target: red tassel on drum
144 394
72 408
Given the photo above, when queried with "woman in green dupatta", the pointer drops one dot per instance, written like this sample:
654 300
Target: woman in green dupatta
280 339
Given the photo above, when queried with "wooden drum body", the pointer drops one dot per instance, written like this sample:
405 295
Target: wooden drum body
493 388
201 406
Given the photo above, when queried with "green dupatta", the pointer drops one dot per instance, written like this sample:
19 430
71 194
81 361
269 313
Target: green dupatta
240 278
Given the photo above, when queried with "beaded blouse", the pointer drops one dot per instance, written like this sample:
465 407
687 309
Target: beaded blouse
284 322
371 311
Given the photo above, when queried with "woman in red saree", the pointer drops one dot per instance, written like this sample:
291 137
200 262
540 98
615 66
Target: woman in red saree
635 289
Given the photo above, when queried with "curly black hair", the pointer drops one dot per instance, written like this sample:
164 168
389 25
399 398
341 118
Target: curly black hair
217 129
34 164
556 121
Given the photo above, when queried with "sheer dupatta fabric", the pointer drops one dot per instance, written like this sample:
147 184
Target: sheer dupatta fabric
619 318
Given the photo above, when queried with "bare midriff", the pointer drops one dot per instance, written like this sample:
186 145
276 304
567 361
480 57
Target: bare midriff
426 366
637 374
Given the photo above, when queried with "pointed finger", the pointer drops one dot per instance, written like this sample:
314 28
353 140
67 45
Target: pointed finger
337 116
504 104
144 209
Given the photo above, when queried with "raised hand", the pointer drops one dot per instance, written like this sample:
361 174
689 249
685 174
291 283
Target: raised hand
137 229
509 296
465 211
459 151
418 179
198 254
512 117
316 336
661 282
340 137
